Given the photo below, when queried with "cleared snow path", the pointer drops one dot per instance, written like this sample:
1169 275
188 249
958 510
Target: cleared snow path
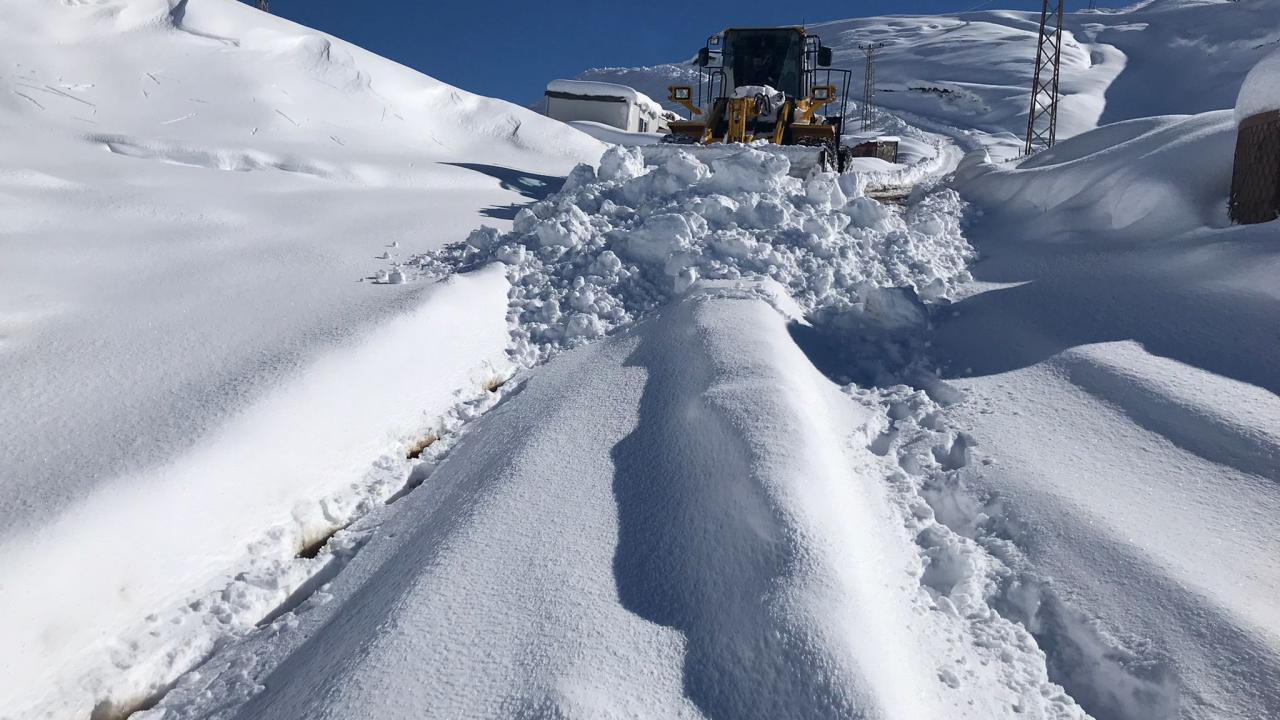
675 557
685 516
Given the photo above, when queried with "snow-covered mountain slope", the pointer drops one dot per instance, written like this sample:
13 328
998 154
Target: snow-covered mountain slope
973 70
190 362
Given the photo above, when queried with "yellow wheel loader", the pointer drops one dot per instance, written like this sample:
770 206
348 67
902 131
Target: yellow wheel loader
770 84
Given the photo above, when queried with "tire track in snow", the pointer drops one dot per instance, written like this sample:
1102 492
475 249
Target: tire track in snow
28 98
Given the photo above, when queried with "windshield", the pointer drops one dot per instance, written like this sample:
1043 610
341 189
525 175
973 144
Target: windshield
764 57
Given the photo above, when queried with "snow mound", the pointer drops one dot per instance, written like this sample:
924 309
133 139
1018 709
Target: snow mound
616 243
1260 91
1153 177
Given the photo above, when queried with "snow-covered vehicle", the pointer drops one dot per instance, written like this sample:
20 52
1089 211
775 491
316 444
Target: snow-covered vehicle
771 84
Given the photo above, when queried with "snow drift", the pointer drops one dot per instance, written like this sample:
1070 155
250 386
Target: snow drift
193 377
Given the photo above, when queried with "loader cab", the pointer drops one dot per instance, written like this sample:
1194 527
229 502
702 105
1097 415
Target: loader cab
784 58
773 57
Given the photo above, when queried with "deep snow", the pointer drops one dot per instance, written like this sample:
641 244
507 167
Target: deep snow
193 374
692 436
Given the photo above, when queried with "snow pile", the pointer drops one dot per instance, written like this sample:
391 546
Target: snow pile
1260 91
616 243
1151 178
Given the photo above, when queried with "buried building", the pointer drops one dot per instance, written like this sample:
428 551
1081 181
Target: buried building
609 104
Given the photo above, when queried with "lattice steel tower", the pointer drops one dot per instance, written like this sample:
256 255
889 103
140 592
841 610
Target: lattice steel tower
869 85
1042 122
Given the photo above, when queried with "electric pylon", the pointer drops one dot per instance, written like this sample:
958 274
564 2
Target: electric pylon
1042 121
869 85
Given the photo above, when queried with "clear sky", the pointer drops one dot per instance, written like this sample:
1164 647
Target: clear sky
512 48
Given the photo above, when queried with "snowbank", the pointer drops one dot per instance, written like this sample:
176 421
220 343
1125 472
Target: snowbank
1260 91
194 379
1117 360
615 244
1150 178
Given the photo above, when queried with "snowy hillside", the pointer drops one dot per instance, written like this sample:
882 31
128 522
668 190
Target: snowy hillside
191 195
331 391
973 70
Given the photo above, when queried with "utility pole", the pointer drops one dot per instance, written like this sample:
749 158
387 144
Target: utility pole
869 85
1042 121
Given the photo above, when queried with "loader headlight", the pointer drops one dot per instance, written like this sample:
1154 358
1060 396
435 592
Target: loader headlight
681 93
822 93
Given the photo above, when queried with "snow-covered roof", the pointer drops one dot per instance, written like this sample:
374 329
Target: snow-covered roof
605 89
1260 91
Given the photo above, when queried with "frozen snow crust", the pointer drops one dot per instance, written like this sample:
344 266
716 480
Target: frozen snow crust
617 242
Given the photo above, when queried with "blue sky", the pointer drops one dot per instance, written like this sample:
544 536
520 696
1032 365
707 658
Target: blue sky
510 49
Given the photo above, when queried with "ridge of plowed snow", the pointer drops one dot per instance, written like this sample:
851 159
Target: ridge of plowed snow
654 222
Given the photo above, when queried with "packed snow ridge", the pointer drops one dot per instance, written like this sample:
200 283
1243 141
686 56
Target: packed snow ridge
616 243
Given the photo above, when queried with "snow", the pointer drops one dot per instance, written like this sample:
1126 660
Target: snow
191 196
971 71
614 136
616 244
1116 368
1260 91
673 558
333 391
